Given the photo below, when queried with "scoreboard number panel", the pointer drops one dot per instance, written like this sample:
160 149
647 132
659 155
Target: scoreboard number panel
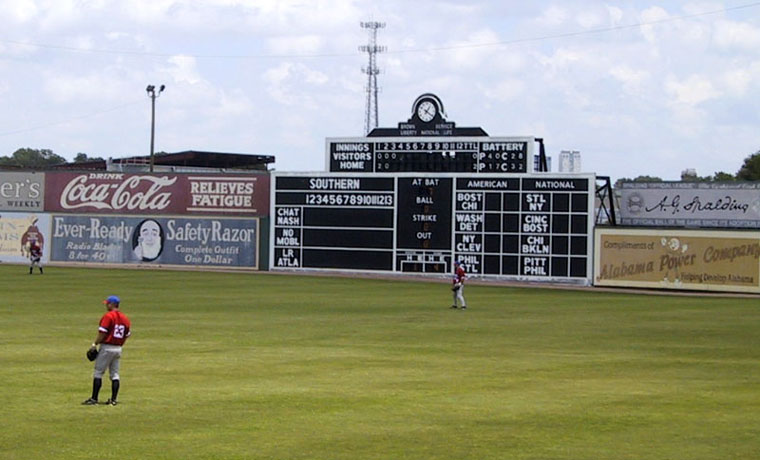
506 155
514 226
423 229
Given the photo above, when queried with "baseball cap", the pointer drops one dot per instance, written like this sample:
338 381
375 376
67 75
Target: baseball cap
112 299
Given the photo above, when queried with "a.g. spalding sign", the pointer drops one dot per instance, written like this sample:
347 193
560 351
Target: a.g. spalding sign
157 193
690 204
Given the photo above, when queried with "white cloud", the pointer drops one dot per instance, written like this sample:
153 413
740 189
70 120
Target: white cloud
300 45
588 19
285 83
505 90
631 78
562 58
19 11
59 14
731 34
233 103
184 70
92 87
651 15
625 91
466 53
615 14
552 16
692 91
737 81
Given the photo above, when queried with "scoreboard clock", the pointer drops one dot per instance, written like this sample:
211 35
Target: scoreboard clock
429 143
515 226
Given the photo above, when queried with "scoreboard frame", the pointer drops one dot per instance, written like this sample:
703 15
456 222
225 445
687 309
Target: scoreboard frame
460 154
526 227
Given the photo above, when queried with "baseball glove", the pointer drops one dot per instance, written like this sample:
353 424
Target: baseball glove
456 287
92 353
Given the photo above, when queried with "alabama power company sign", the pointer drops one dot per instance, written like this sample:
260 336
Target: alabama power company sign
121 193
678 259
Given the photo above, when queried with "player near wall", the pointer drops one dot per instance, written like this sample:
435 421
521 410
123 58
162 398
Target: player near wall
457 286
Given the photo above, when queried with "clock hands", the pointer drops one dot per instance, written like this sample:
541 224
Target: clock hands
426 111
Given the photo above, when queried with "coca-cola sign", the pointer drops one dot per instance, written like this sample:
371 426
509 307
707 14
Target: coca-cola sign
157 193
131 194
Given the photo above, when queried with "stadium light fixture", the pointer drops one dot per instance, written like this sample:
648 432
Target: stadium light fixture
153 94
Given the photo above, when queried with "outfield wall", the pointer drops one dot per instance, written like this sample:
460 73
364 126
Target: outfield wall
704 260
95 218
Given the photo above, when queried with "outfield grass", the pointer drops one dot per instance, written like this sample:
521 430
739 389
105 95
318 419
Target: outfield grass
261 366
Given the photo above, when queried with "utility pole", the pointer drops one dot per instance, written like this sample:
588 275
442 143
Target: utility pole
371 113
152 94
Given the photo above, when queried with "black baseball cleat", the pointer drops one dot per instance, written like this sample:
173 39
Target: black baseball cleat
111 402
463 307
90 402
453 306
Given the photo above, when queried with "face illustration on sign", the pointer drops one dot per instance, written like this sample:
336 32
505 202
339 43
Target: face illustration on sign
635 203
426 111
147 240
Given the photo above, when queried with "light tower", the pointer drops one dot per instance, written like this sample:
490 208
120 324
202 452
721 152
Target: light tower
371 113
153 94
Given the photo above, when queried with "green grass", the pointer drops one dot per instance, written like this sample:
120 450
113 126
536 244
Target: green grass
262 366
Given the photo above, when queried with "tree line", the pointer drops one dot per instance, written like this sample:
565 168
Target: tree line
29 158
749 171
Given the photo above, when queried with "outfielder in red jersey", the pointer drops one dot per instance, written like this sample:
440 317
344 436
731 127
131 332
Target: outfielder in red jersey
458 285
113 332
35 256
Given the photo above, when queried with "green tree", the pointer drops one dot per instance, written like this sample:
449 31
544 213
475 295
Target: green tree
721 176
750 170
32 158
637 179
696 178
83 158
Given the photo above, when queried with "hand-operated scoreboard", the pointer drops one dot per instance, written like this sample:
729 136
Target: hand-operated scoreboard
415 198
522 226
460 154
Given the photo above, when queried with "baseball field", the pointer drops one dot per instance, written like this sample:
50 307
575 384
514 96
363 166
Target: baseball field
266 366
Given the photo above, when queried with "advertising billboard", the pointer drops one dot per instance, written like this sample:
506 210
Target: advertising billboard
121 193
678 259
17 230
22 191
690 204
180 241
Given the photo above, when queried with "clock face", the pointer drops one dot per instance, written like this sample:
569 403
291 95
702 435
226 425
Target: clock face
426 111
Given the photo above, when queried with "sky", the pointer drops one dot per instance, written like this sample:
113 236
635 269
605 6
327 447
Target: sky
638 87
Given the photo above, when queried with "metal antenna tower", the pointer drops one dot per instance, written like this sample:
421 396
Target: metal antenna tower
371 114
